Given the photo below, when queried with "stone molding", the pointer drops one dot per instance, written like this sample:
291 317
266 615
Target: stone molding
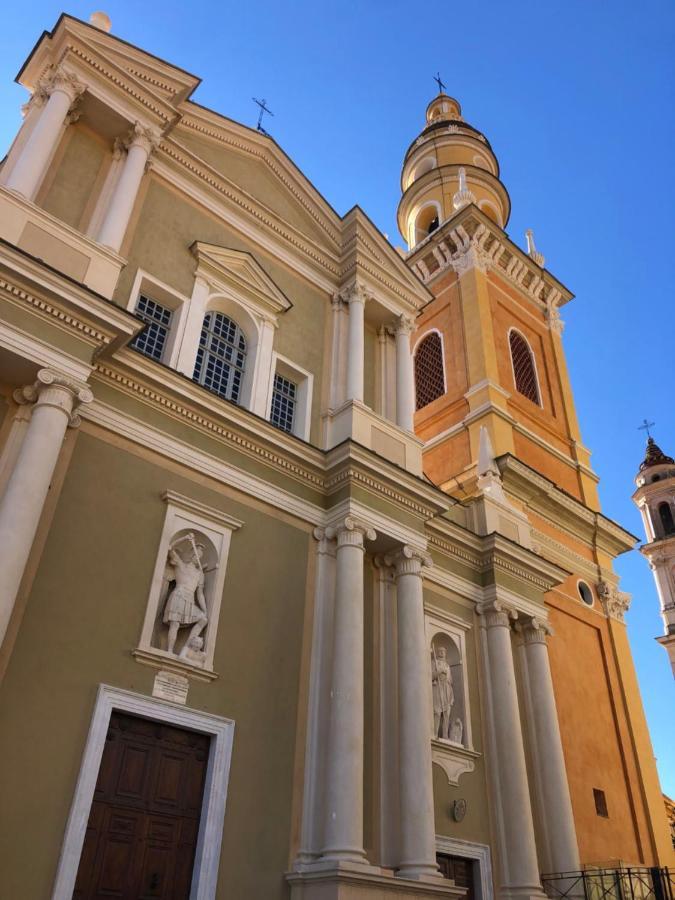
59 391
615 603
454 759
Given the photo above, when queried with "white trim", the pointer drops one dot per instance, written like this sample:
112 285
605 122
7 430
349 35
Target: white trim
207 856
540 402
31 348
304 380
434 625
154 289
480 853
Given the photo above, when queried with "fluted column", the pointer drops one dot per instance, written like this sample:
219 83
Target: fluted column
520 875
418 835
405 379
343 826
55 399
355 343
63 89
552 782
140 143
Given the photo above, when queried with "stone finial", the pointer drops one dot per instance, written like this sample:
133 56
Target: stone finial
532 251
463 196
101 21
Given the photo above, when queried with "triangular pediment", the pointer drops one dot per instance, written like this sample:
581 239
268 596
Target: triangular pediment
239 273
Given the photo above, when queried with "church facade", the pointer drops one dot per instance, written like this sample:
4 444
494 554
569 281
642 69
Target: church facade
305 591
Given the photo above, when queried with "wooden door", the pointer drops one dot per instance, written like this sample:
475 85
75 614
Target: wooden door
460 870
142 830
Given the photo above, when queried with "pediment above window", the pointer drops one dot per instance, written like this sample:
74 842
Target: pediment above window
238 274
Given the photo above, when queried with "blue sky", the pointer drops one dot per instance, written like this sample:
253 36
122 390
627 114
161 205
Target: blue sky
577 100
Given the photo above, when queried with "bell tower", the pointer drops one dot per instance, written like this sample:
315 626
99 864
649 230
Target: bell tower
655 498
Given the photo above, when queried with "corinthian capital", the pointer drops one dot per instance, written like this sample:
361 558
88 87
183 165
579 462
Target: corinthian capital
59 391
59 79
142 136
615 603
356 292
534 630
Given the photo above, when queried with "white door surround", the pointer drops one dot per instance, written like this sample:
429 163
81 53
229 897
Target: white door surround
207 855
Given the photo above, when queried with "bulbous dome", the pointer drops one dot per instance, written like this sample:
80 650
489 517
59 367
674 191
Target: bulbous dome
450 164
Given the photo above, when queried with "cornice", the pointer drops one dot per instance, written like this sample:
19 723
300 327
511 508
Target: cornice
419 151
245 140
501 553
470 238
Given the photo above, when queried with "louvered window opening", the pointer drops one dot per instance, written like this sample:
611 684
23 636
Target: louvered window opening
523 368
221 356
152 341
284 398
429 380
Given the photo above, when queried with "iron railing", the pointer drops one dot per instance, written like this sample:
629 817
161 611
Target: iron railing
611 884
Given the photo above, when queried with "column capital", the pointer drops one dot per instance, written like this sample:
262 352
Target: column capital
614 602
497 614
404 325
59 79
533 630
54 389
408 561
141 136
350 533
356 292
325 541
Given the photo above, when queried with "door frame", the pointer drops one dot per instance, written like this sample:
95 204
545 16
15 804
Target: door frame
221 731
479 853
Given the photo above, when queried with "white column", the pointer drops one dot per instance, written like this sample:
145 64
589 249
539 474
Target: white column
343 826
355 343
518 859
556 805
26 174
263 375
55 398
405 379
140 144
418 834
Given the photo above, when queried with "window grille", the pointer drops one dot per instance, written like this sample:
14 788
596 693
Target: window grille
429 378
152 341
523 368
284 399
221 356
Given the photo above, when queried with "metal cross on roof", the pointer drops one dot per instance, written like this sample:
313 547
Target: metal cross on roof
439 82
263 109
646 426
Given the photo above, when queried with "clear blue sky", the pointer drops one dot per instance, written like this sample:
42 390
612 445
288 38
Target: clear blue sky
577 99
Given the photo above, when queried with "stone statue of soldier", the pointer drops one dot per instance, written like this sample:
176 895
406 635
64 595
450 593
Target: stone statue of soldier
442 693
186 604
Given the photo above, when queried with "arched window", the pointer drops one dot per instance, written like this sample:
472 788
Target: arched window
524 373
221 356
666 516
429 376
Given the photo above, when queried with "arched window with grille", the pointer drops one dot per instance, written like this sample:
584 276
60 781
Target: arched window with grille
221 356
429 374
524 371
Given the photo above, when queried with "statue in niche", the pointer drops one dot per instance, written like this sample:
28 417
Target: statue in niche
457 730
186 604
442 692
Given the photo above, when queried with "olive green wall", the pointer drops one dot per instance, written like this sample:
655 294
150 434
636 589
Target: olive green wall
84 617
68 194
167 227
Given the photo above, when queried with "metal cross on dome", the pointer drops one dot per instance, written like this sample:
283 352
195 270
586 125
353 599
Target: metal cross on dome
646 426
263 109
439 82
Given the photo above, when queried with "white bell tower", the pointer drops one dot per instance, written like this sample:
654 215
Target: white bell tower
655 498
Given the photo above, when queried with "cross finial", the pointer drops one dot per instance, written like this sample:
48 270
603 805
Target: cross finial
263 109
646 426
439 82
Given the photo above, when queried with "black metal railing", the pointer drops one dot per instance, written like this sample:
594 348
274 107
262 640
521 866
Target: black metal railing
611 884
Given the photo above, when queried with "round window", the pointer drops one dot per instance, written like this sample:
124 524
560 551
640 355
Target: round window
585 593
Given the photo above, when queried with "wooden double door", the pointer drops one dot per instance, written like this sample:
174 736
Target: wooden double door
144 820
461 871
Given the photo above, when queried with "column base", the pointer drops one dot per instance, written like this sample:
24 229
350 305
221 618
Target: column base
354 882
526 892
419 872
